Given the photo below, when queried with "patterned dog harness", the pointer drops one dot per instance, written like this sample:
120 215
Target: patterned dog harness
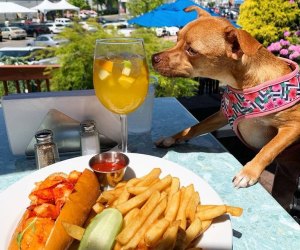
266 98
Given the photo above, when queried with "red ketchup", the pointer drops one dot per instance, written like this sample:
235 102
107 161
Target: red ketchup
107 166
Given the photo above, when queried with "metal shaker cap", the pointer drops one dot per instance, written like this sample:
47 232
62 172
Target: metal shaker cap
88 126
44 135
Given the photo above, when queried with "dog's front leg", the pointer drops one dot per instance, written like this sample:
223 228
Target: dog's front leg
212 123
250 173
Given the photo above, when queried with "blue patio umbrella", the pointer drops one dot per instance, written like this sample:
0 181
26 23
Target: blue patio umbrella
169 14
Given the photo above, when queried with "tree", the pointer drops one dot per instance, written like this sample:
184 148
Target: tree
138 7
267 20
82 4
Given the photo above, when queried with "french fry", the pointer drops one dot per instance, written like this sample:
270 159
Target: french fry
136 190
163 183
211 213
173 189
133 227
155 232
183 205
132 244
169 237
204 207
149 178
134 202
180 240
205 225
117 246
171 211
98 207
110 197
193 231
124 196
234 211
159 214
192 206
130 216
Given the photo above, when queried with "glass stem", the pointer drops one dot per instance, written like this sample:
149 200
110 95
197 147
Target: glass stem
124 132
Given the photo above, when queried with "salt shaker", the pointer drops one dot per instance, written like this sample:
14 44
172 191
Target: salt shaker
89 138
45 149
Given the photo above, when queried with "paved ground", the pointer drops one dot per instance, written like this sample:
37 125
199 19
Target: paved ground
14 43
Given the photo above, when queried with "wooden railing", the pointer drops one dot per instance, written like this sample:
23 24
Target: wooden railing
27 75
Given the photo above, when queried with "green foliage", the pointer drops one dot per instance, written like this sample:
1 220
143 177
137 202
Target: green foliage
82 4
138 7
76 60
267 20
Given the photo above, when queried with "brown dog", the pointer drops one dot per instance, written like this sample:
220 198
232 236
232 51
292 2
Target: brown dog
211 47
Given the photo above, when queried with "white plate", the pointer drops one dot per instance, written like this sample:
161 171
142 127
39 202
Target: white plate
14 200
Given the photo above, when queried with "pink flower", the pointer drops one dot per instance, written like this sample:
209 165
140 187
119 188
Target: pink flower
284 42
232 98
280 102
251 97
295 56
293 94
286 33
230 112
270 105
246 104
284 52
294 81
256 110
276 87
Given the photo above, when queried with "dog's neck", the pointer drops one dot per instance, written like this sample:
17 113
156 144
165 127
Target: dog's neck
251 71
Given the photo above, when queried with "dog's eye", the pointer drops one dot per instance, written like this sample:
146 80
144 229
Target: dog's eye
191 51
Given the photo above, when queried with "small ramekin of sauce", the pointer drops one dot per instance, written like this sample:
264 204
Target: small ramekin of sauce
109 167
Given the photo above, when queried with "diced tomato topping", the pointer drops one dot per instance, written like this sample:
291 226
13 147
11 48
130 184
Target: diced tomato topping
50 195
46 211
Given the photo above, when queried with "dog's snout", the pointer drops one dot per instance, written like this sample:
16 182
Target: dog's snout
156 58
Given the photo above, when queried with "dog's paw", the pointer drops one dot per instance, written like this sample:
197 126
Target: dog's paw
165 142
246 177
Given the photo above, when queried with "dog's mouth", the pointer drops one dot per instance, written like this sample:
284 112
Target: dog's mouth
170 72
162 64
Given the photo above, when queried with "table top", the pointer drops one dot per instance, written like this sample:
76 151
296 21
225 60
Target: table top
264 223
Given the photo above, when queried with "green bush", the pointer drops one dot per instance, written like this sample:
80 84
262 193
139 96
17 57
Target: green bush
267 20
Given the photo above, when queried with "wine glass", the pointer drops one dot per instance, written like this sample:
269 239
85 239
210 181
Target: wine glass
121 77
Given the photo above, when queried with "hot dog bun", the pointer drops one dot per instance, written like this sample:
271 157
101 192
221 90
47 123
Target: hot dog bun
48 233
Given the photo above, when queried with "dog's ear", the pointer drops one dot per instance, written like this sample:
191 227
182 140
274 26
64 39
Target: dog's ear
241 42
201 12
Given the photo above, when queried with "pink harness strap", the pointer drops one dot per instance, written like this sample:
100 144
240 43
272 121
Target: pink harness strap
266 98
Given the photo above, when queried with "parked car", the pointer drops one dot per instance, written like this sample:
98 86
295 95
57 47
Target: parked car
33 29
166 31
88 27
20 52
116 24
64 21
48 40
55 28
13 33
31 55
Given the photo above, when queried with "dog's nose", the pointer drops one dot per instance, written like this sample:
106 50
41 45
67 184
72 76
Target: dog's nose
156 58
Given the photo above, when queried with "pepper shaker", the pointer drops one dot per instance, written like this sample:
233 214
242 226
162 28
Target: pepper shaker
89 138
45 149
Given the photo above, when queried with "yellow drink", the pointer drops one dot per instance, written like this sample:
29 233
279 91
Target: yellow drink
121 85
